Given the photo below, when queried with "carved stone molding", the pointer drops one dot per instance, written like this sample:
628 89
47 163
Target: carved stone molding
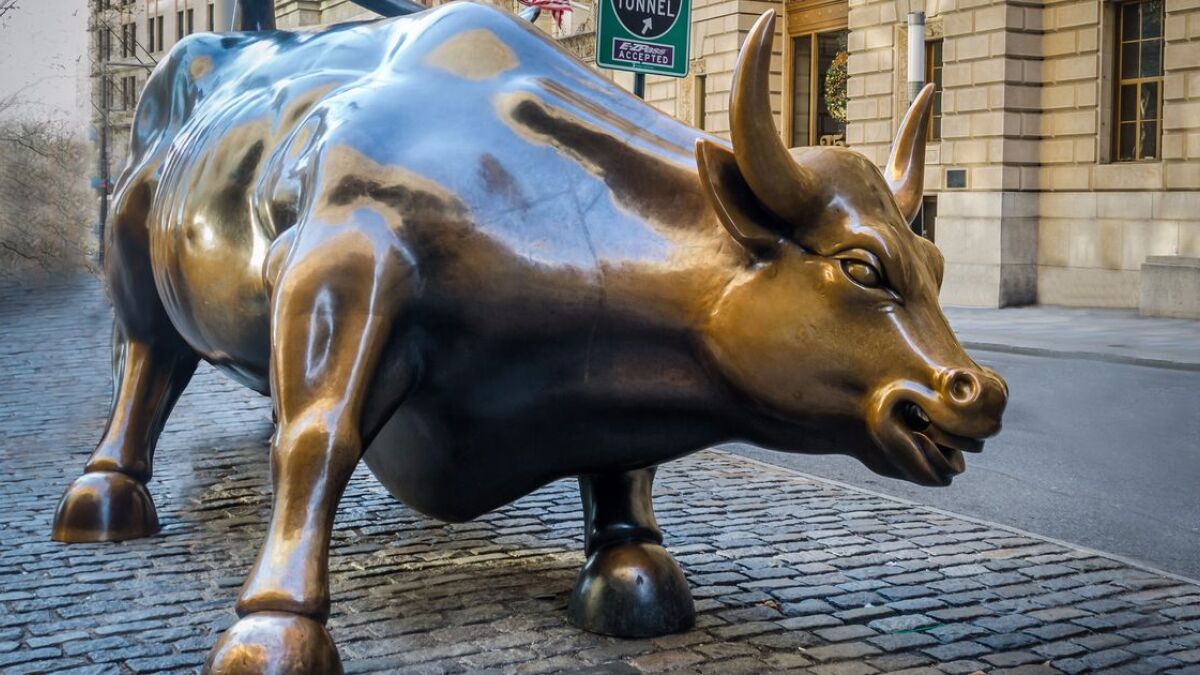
582 45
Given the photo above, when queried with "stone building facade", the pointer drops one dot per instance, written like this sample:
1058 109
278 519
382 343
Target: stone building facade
1031 195
127 39
1066 146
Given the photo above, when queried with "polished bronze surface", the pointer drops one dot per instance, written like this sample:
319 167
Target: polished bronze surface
278 643
445 246
630 586
105 506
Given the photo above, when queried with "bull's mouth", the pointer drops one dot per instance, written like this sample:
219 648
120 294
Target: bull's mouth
939 453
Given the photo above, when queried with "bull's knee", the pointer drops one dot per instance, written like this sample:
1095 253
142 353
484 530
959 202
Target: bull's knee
274 642
105 506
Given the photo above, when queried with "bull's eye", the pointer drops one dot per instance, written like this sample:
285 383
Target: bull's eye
862 273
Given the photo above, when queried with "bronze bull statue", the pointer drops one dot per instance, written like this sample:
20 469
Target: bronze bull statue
444 246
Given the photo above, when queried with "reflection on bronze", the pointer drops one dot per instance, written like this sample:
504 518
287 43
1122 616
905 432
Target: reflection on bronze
445 246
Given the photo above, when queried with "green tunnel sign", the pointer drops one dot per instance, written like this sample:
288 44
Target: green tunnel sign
644 36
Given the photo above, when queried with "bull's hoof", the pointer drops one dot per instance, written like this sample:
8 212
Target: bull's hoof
105 506
277 643
634 590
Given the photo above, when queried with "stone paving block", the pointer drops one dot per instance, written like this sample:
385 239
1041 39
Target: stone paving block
1030 669
902 641
1006 623
961 667
1012 659
817 577
898 662
901 623
843 668
1007 640
844 633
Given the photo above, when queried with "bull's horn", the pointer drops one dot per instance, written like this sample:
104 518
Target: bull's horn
905 170
782 185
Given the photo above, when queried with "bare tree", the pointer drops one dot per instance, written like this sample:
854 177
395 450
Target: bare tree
45 203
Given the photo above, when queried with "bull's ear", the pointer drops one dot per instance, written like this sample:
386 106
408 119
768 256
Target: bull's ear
733 202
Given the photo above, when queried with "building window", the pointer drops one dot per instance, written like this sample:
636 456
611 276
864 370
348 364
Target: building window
812 55
1139 80
933 73
925 224
211 17
191 22
179 25
128 92
150 33
159 32
105 39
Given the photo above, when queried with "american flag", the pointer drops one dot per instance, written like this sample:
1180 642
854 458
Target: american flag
556 8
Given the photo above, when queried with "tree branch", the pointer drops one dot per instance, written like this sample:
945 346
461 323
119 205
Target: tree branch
7 6
17 251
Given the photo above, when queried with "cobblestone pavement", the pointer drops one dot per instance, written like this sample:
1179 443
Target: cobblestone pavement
789 573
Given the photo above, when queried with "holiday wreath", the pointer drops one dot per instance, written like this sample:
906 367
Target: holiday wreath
835 88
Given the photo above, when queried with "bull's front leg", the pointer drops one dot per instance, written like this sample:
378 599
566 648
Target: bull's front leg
630 586
333 309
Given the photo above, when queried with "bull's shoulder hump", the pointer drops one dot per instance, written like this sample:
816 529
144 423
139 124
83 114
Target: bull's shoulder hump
200 57
192 70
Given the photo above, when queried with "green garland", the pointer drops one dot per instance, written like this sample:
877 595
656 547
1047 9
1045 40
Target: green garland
835 88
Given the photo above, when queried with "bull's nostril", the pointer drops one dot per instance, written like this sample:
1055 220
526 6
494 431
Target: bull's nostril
914 417
963 387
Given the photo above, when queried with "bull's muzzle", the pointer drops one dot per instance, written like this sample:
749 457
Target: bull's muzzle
973 401
924 431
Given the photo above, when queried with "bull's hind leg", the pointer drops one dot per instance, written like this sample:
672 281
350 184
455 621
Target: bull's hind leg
630 586
151 366
333 309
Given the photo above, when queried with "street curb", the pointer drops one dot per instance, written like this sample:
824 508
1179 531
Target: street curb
1084 356
1129 562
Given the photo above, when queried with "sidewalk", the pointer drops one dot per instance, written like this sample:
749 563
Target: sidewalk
1116 335
789 573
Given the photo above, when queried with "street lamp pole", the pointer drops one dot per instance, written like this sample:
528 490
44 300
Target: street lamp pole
916 54
916 81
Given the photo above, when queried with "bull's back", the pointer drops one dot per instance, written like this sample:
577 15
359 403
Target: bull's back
535 162
214 119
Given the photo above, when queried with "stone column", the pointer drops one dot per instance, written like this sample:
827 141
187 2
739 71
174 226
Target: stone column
987 230
992 77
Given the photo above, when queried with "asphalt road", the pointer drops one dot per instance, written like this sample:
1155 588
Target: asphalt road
1102 455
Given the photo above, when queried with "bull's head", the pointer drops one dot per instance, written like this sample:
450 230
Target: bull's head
834 329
